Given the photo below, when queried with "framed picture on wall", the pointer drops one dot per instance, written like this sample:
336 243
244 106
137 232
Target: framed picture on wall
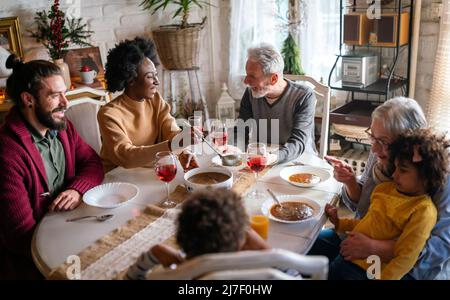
10 37
77 58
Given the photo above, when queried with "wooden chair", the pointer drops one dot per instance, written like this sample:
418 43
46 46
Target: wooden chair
82 112
245 265
322 93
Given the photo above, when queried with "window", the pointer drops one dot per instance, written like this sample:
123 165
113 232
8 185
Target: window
256 21
439 103
252 22
319 37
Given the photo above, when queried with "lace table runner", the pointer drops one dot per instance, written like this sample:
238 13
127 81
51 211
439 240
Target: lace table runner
125 254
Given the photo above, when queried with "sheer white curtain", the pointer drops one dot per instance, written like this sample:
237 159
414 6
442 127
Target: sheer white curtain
319 37
438 108
255 21
252 22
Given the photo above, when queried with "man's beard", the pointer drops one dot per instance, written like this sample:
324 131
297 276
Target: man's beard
260 93
46 119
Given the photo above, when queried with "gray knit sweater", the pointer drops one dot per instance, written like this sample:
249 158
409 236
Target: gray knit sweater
294 113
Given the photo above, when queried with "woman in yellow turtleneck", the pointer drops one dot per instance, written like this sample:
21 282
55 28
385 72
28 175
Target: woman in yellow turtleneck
137 124
401 210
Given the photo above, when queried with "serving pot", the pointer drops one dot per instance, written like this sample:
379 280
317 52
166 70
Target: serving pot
227 184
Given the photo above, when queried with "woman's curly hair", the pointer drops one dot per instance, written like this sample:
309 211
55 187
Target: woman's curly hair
124 60
211 221
434 150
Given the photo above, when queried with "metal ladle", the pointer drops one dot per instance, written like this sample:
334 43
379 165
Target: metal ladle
229 160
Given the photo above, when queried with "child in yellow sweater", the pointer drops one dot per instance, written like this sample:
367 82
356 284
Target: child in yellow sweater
400 210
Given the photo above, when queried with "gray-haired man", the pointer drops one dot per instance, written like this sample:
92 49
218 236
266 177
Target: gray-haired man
271 97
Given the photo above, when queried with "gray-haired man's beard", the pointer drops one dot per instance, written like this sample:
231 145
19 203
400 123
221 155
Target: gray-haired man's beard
260 93
46 118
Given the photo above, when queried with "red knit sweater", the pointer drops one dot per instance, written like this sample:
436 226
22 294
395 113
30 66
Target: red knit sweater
23 181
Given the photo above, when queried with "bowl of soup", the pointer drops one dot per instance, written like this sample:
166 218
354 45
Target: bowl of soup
293 209
211 177
305 176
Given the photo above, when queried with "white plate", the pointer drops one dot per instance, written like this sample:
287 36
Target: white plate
320 172
318 209
111 195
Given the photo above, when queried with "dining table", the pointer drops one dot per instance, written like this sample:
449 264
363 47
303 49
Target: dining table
55 240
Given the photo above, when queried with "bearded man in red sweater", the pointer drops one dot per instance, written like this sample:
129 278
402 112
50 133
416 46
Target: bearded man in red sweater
44 164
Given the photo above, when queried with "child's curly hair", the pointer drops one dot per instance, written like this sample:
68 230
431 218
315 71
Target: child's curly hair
124 60
211 221
434 150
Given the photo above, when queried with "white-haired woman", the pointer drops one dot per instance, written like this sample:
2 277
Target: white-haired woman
389 120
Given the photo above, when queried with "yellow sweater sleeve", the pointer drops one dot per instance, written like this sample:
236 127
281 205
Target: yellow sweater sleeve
347 225
169 127
411 242
118 148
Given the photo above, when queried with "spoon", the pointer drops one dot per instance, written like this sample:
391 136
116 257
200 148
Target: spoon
228 160
274 197
101 218
277 201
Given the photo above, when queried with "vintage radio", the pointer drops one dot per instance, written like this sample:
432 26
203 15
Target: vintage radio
386 29
356 29
359 70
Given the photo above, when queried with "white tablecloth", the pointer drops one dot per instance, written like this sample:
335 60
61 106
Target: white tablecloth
55 239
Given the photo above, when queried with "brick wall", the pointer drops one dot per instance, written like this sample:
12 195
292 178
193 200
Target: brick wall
114 20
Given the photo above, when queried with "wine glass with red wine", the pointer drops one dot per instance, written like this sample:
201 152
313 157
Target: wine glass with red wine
256 161
219 135
166 170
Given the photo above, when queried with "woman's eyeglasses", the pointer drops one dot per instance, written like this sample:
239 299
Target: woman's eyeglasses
373 140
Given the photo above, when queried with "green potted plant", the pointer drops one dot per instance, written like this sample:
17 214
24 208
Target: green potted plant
291 56
57 32
177 44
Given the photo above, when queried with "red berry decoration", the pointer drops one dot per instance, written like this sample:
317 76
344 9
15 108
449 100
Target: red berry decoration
85 69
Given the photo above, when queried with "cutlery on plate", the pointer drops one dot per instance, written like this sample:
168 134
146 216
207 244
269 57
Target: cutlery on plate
299 163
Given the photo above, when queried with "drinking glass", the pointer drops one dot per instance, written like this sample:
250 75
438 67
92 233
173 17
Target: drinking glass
166 170
260 224
219 135
196 123
257 161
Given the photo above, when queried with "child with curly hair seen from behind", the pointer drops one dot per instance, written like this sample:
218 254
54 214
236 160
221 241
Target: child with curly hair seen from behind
400 210
209 222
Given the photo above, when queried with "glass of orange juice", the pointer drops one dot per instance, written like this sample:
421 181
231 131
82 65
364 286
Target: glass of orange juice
260 224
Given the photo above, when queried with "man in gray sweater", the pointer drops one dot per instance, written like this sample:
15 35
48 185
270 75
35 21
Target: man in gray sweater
283 109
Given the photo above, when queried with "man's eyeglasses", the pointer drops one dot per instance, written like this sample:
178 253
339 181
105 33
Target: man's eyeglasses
373 140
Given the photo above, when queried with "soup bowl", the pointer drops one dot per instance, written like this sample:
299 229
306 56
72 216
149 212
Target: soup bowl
204 178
